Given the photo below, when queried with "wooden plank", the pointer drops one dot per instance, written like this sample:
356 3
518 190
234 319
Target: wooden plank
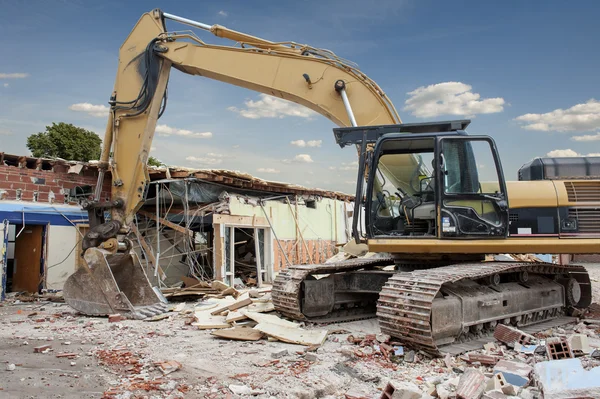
165 222
261 307
239 333
270 319
235 316
293 335
206 321
233 306
192 282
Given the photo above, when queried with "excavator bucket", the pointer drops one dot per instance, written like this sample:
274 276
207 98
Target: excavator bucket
112 283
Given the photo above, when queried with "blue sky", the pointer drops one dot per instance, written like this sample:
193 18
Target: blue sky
526 73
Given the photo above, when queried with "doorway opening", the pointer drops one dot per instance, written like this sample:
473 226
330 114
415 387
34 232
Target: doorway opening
25 258
245 256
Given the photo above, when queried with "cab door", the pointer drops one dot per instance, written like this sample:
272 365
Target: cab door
471 191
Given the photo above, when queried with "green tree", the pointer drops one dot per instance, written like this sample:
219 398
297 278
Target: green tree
154 162
64 140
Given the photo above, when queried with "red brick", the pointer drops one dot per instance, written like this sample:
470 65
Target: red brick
113 318
14 178
40 349
471 385
17 186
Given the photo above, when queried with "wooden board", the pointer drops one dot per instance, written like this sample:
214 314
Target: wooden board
269 318
260 307
293 335
235 316
239 333
234 306
206 321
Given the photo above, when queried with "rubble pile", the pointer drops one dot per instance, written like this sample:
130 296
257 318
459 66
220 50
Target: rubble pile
232 344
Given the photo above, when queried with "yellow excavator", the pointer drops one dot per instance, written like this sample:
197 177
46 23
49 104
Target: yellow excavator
435 201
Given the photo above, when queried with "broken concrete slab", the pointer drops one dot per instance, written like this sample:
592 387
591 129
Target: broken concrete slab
293 335
579 344
471 384
515 373
566 378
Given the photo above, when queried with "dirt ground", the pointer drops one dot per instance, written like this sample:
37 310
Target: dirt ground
114 360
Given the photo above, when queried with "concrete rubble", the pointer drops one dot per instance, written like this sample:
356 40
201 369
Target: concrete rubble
48 350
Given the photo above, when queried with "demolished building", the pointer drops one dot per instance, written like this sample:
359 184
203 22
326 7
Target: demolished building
204 224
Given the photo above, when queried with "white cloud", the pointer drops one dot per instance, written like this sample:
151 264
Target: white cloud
223 13
5 84
580 117
5 132
236 146
303 158
569 153
98 111
164 130
346 166
309 143
300 158
204 160
267 170
13 75
587 137
450 98
272 107
152 149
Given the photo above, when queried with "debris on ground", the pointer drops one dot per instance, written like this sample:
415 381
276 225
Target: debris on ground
241 351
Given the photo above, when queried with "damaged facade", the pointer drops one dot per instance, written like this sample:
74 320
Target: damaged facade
205 224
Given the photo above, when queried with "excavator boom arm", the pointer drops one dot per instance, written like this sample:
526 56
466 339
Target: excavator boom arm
298 73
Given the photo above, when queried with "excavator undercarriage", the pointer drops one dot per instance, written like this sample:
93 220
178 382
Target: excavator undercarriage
433 309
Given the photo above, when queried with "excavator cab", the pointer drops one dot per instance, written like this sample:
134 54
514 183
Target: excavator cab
428 180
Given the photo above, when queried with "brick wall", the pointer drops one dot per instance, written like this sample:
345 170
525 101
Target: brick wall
319 250
50 185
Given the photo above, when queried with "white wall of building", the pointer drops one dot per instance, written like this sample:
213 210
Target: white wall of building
62 258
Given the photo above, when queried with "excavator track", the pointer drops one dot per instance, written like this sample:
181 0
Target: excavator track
406 307
406 303
287 288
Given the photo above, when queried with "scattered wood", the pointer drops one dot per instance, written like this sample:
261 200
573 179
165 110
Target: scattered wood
260 307
224 289
235 316
239 333
294 335
233 306
192 282
270 319
206 321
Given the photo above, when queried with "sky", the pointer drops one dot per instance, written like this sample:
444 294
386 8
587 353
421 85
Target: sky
525 73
